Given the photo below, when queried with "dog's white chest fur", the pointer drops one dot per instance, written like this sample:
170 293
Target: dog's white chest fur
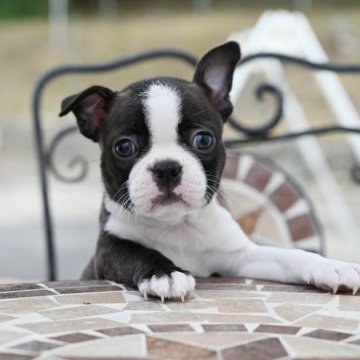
201 242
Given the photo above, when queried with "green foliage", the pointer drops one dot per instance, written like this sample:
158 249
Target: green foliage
13 9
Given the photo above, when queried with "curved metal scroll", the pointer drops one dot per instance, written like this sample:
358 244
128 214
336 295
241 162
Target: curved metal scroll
43 159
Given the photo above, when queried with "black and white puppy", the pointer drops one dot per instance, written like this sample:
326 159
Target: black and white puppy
162 159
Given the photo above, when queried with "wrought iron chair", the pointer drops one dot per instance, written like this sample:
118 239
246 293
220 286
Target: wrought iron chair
256 201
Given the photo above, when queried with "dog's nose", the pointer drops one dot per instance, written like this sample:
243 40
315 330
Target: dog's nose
167 174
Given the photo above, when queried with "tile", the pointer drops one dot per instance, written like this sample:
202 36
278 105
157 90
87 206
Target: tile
4 318
229 294
91 298
117 346
222 286
25 293
267 349
284 197
14 356
328 335
328 322
7 336
75 283
301 227
220 280
349 303
224 327
241 306
19 287
237 319
258 176
307 348
277 329
211 340
290 288
51 327
77 312
292 312
191 305
74 337
164 318
170 328
87 289
249 221
144 306
231 165
120 330
177 351
36 346
300 298
19 306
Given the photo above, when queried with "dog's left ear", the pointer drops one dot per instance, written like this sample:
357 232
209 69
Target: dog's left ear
214 74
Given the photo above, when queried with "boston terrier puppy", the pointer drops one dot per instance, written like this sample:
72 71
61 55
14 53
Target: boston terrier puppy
162 158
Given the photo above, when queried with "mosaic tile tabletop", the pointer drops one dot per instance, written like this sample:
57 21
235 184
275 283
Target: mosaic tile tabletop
226 318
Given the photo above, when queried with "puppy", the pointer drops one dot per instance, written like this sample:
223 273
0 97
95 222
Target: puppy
162 158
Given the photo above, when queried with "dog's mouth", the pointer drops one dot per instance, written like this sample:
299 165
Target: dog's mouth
168 199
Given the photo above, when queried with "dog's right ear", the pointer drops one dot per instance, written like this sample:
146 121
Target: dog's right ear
90 108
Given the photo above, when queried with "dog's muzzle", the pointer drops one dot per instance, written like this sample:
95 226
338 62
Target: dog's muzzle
167 175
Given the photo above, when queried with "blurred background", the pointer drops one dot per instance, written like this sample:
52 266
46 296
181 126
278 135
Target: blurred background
38 35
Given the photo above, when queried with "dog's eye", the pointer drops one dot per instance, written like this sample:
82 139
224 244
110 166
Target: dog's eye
125 148
203 141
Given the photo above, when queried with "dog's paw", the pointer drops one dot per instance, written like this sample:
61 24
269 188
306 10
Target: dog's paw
177 285
332 275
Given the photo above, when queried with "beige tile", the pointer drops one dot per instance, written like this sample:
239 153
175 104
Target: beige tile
50 327
164 318
241 306
214 339
315 348
77 312
349 303
328 322
107 297
26 305
144 306
240 319
291 312
4 318
191 305
230 294
300 298
7 336
168 349
127 345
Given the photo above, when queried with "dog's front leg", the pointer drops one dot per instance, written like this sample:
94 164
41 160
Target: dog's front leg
152 273
296 266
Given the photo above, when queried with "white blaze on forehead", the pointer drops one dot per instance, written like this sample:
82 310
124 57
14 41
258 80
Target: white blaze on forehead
162 105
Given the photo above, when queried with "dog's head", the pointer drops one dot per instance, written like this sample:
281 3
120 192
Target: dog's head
161 139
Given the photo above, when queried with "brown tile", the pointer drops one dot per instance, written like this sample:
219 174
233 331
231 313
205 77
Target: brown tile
301 227
277 329
284 197
87 289
328 335
258 176
177 351
248 221
268 349
241 306
74 337
36 346
223 327
170 328
75 283
231 165
19 287
237 319
120 331
14 356
25 293
220 280
143 306
108 297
